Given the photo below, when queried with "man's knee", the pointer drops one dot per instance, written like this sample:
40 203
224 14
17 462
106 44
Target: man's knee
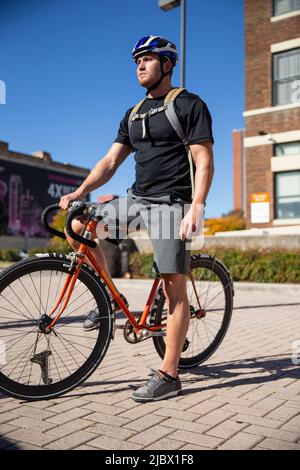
174 287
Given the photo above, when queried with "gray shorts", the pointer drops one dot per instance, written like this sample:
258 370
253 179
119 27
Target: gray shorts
161 217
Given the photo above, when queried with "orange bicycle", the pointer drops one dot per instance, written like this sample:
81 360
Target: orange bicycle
44 300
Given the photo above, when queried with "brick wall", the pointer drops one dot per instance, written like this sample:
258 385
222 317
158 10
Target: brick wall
279 121
260 33
237 142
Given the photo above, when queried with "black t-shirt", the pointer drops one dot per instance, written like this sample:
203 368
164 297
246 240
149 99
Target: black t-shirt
162 166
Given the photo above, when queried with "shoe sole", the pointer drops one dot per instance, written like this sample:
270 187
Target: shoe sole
162 397
89 328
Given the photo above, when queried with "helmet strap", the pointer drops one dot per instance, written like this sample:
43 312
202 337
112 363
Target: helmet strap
163 75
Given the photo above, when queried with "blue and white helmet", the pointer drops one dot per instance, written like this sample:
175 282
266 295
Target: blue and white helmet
158 45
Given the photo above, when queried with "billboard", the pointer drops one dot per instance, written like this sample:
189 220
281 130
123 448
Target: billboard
24 193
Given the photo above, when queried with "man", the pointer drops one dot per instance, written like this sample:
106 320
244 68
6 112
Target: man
163 176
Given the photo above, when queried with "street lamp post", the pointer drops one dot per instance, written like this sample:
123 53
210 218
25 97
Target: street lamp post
167 5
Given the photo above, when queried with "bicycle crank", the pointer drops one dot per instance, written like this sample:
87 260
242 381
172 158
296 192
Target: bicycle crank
130 335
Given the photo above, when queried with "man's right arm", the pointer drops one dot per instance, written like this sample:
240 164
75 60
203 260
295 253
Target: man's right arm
101 173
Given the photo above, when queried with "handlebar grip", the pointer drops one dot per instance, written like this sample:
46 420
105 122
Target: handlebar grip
45 224
76 212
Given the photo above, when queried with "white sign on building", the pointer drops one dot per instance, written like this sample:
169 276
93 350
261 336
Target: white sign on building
260 208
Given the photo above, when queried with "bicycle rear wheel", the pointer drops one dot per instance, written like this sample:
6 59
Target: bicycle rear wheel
35 365
210 320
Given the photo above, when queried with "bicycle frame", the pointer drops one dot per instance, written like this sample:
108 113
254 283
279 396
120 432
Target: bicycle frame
83 252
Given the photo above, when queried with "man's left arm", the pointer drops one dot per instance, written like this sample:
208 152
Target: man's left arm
204 162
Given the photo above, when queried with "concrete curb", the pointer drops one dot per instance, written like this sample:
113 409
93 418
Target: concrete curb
276 288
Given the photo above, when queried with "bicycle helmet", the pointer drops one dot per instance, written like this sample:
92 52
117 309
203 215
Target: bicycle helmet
160 46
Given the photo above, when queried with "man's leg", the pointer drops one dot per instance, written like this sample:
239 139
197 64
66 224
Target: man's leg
98 254
175 291
172 261
165 383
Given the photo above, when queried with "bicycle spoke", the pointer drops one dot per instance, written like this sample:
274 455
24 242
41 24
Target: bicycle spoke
21 314
23 352
68 350
22 303
25 365
39 297
58 287
56 366
25 334
77 344
31 298
64 365
48 291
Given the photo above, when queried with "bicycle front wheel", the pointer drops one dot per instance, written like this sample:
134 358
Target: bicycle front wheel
210 296
36 365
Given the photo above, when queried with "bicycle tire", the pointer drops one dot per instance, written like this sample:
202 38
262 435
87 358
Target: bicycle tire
220 271
56 263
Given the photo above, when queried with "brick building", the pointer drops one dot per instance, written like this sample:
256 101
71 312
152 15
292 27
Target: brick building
272 115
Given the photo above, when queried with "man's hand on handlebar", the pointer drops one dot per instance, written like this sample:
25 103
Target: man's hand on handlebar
66 200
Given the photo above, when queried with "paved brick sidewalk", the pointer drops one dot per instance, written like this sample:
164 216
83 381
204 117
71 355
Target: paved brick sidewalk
247 396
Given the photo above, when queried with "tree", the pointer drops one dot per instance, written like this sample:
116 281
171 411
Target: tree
234 220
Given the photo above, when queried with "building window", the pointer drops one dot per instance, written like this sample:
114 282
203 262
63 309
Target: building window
287 149
287 190
280 7
286 69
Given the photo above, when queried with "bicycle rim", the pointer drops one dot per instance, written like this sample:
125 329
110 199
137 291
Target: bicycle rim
36 365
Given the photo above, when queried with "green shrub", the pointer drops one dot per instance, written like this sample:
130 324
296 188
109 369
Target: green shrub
58 245
248 266
35 250
51 248
140 265
10 254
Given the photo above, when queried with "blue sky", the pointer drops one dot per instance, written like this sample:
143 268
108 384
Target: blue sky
70 78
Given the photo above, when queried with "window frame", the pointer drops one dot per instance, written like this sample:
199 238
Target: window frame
283 143
285 80
291 8
276 217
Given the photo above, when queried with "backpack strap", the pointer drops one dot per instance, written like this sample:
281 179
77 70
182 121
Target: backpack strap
172 95
171 113
134 116
137 107
175 123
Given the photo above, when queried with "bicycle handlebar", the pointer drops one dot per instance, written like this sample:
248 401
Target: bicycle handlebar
46 212
76 212
73 213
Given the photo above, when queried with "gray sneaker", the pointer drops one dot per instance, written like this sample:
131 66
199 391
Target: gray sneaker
93 318
158 387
